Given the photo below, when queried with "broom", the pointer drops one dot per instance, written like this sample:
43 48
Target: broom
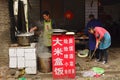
91 55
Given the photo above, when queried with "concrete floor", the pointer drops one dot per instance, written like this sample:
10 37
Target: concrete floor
112 68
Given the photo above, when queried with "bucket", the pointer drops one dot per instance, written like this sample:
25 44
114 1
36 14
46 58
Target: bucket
45 63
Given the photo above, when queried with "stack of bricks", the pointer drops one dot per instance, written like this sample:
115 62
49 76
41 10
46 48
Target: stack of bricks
23 57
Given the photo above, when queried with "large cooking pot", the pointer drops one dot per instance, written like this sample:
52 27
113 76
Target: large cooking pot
45 62
24 39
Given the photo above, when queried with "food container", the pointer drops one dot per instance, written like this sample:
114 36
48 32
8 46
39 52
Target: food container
83 53
24 39
45 62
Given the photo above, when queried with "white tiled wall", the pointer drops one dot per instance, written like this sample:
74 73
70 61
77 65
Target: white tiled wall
91 10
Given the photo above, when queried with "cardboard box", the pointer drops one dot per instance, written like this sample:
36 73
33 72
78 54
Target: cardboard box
21 62
30 63
12 52
31 70
13 62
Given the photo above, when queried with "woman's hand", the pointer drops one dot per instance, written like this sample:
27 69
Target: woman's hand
97 44
33 29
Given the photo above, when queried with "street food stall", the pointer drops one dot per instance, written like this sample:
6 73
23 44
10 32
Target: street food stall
31 56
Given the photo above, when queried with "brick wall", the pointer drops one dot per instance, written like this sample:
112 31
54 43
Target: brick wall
4 31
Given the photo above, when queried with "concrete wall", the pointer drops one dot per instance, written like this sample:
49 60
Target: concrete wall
91 8
4 31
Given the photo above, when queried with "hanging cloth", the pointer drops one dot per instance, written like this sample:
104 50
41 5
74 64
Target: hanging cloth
21 17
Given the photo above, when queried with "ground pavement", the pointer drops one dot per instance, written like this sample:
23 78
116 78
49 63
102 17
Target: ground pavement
112 69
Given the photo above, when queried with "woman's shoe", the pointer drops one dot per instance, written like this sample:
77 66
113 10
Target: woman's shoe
104 62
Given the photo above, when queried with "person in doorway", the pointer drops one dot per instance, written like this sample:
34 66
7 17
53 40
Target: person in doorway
103 42
92 22
46 27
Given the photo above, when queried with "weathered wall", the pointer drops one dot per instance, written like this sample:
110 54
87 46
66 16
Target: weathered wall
4 31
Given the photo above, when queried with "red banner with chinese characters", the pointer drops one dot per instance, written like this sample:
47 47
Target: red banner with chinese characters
63 56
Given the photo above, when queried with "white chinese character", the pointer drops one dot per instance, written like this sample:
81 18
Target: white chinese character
57 41
58 51
58 62
66 64
70 48
58 71
66 56
73 71
69 71
71 56
65 41
71 63
65 48
66 72
70 40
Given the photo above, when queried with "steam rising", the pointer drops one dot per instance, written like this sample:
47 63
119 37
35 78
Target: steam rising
42 50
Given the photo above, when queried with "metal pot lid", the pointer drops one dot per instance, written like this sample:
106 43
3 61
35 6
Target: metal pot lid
59 30
26 34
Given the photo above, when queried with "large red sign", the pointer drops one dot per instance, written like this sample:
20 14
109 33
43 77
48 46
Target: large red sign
63 56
